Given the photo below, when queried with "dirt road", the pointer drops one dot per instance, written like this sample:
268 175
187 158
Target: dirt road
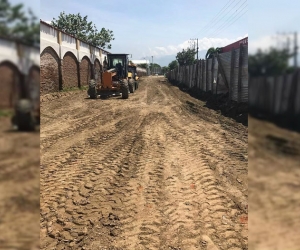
156 171
19 188
274 181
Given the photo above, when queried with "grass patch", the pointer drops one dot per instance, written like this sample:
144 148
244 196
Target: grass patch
6 113
74 89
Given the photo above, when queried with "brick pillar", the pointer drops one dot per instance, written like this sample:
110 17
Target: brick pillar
61 74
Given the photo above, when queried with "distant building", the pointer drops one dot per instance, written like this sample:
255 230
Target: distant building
143 62
140 61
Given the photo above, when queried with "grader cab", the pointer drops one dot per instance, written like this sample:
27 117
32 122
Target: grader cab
114 80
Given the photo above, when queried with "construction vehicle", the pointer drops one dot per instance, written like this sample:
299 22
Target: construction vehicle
27 108
114 80
132 77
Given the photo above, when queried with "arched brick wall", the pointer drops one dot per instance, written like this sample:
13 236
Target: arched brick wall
50 71
98 69
85 71
10 88
70 71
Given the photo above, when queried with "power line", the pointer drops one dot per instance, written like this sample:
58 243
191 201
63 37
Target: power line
232 22
217 15
239 10
222 17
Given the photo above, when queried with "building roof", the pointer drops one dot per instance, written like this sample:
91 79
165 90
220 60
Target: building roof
140 61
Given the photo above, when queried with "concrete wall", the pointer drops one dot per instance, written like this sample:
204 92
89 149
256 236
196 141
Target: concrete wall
213 74
19 72
67 62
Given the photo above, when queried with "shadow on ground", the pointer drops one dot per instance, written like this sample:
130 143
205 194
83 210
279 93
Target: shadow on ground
221 102
290 122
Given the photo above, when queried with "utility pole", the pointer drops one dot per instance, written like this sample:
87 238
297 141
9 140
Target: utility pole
295 49
195 45
197 49
288 45
152 67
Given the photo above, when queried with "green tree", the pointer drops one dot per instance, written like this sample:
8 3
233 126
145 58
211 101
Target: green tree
186 57
81 28
155 65
16 23
172 65
212 51
165 69
271 62
143 65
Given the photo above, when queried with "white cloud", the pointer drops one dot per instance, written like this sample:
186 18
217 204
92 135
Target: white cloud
203 44
262 43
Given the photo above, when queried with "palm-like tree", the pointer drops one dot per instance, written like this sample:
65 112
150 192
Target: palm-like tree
212 51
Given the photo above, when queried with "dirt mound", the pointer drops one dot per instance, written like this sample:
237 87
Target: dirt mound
220 102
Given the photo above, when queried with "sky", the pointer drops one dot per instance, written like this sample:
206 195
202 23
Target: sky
163 28
159 28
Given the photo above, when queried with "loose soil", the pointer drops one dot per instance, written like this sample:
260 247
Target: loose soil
19 188
274 181
156 171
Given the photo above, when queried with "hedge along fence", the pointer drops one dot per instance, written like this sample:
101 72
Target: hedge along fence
224 73
276 95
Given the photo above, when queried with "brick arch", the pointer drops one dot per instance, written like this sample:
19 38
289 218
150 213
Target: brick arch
85 71
10 84
34 84
50 78
70 70
98 70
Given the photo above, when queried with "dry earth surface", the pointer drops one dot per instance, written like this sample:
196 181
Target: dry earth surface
19 188
274 182
156 171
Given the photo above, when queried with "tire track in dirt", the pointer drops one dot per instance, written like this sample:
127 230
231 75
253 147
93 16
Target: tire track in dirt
216 198
144 173
19 185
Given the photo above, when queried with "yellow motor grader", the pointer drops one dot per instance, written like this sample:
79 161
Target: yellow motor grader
132 77
116 80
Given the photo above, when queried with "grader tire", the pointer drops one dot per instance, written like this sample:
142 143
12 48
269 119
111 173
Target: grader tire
131 86
24 118
124 90
92 93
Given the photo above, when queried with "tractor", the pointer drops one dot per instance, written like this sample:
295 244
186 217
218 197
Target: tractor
114 80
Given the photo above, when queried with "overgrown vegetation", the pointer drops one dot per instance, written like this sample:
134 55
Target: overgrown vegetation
16 23
81 28
186 57
271 62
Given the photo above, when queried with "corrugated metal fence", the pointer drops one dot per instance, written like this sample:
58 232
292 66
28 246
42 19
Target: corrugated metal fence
276 95
227 72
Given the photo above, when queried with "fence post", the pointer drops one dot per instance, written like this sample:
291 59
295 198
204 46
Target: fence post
206 75
203 75
212 73
231 73
240 74
293 93
220 66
